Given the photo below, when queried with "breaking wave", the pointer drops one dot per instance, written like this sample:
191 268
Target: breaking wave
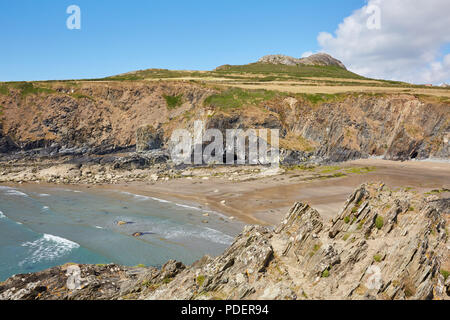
185 233
47 248
13 192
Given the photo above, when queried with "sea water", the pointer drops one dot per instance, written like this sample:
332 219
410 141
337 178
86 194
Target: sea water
45 226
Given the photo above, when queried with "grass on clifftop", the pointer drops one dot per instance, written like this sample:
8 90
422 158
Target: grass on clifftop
25 88
319 98
270 72
235 98
154 74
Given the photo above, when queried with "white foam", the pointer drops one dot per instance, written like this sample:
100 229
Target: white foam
44 195
13 192
136 196
70 190
217 236
183 233
2 215
161 200
48 247
187 207
45 208
98 227
141 197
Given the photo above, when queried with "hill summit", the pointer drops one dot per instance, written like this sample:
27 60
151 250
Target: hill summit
319 59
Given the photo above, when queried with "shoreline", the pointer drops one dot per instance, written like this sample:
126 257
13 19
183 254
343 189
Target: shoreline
265 200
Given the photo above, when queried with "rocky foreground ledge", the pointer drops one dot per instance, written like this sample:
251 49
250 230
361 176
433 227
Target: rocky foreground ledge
384 244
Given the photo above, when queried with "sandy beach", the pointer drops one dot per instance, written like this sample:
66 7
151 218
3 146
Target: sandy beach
266 200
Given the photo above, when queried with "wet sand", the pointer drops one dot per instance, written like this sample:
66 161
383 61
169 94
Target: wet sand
265 201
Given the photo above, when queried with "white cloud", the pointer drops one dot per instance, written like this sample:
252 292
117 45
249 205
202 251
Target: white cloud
406 45
306 54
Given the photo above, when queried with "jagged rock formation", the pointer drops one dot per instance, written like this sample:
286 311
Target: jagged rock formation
383 245
319 59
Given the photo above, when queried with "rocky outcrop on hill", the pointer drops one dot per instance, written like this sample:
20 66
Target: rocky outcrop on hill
384 244
319 59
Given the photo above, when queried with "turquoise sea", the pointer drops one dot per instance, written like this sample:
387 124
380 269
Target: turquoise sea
45 226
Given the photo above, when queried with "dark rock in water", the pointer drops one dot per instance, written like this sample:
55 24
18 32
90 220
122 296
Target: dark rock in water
122 223
140 234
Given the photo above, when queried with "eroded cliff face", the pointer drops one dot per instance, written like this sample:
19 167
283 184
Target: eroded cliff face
103 117
383 245
396 127
91 117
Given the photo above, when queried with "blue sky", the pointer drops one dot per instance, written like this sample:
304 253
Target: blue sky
116 36
119 36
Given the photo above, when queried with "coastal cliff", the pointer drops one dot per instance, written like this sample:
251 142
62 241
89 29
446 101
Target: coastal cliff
384 244
74 119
